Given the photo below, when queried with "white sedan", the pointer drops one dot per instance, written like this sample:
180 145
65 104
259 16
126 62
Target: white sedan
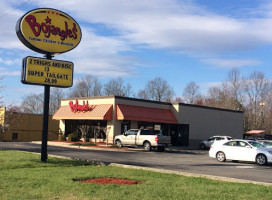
243 150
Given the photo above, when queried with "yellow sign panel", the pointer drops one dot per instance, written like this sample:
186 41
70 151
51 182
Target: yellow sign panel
2 116
47 72
48 31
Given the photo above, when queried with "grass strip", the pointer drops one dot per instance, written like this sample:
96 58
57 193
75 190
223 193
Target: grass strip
23 176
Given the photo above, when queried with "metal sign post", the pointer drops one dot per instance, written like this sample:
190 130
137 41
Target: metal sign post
45 118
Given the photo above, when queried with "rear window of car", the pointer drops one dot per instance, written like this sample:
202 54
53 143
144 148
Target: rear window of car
148 132
229 138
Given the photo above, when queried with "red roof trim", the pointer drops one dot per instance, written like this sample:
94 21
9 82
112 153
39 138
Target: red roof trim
139 113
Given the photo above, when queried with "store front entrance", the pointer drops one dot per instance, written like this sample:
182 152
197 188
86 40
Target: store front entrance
96 128
125 126
179 134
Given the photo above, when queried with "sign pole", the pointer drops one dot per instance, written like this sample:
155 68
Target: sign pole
50 32
45 118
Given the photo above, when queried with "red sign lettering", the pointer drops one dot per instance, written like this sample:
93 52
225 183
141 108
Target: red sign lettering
49 29
80 108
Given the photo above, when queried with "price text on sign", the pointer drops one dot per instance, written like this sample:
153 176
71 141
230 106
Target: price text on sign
47 72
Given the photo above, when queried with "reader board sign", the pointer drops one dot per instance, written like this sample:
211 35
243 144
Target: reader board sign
41 71
47 30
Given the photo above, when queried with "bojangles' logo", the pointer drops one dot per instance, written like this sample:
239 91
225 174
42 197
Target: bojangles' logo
80 108
47 28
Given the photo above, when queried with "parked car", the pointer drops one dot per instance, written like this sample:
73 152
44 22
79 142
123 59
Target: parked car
205 144
241 150
267 143
142 137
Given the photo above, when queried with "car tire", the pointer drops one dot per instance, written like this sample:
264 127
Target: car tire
220 156
147 146
118 143
203 147
261 159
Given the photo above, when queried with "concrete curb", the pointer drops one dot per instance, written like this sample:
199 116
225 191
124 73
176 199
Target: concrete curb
218 178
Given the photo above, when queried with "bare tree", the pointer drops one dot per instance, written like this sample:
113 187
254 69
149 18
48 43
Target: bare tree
191 93
157 90
87 86
257 89
32 103
117 87
9 117
233 90
55 95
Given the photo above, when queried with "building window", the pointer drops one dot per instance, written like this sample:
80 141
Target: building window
14 136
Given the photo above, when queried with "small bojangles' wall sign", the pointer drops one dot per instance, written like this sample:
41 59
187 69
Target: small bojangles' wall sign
47 30
80 108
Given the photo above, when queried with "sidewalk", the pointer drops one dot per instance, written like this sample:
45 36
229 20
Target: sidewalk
104 147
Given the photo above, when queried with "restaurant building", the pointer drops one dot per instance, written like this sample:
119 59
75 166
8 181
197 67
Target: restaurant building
24 127
109 116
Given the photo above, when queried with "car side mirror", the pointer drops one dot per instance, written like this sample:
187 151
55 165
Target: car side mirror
125 134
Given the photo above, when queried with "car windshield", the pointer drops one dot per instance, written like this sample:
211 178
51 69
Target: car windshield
256 144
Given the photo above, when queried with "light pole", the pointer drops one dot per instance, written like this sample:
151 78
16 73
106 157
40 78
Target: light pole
262 104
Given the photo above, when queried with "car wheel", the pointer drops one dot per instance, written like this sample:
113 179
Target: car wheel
147 146
261 159
220 156
203 147
118 143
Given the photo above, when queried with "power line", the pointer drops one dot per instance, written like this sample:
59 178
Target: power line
5 14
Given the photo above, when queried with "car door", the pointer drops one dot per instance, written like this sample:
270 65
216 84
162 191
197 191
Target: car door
245 152
230 150
131 137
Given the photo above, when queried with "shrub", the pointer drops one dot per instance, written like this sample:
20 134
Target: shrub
62 138
74 137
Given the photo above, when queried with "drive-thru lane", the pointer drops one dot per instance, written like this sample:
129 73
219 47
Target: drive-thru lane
181 161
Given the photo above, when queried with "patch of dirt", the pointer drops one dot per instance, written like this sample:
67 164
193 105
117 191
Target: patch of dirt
106 181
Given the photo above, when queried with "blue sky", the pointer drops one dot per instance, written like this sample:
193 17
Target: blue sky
138 40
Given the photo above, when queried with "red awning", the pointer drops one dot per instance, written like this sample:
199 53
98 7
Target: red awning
255 132
99 112
138 113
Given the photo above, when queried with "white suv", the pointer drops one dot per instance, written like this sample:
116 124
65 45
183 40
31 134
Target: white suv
207 143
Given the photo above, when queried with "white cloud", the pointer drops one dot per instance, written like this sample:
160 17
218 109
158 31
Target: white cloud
231 63
10 73
100 56
179 25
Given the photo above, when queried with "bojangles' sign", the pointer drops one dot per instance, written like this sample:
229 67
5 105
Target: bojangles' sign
48 30
80 108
